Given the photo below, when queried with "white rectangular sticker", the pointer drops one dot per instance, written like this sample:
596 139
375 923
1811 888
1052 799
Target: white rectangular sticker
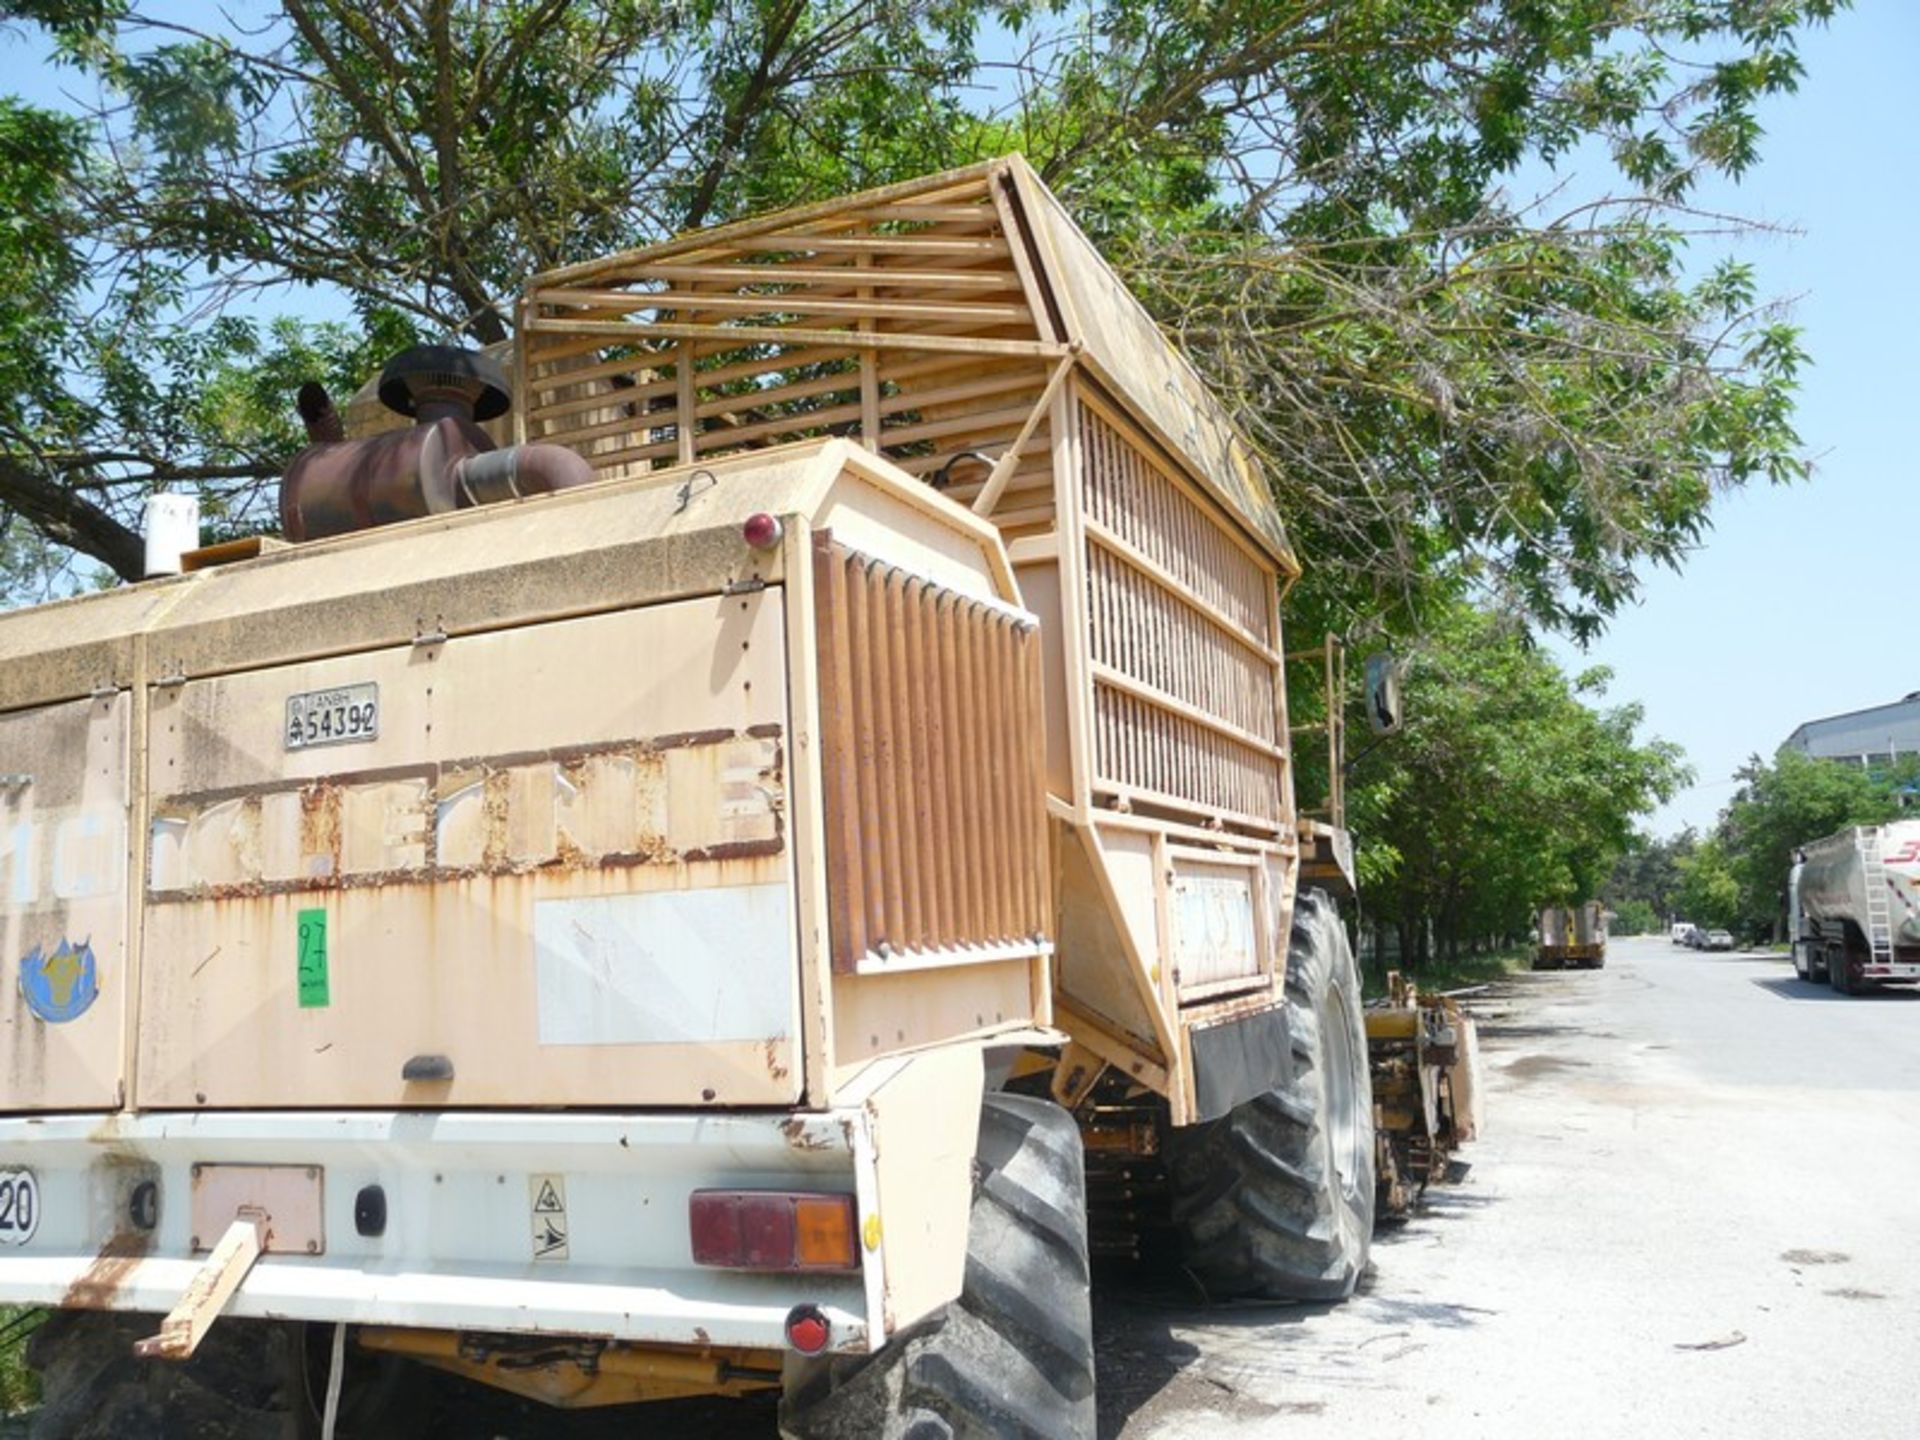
666 967
1213 932
342 716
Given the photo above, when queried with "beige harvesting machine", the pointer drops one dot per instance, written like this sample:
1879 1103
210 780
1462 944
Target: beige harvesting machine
745 887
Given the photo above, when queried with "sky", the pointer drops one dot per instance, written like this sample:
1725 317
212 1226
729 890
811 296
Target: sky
1792 609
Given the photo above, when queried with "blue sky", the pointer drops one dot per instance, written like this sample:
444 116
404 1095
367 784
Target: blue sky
1795 605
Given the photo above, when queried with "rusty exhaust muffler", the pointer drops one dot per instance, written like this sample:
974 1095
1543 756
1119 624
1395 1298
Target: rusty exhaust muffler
446 462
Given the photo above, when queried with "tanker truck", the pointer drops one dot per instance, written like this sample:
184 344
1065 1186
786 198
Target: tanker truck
1853 908
728 852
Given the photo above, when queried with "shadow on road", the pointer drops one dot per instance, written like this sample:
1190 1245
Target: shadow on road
1791 987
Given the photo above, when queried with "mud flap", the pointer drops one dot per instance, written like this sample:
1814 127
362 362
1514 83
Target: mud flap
1237 1060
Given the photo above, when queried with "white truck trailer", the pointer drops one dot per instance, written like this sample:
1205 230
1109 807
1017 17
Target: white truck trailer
1853 903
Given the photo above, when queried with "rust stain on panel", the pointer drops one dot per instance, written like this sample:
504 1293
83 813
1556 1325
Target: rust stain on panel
100 1283
802 1134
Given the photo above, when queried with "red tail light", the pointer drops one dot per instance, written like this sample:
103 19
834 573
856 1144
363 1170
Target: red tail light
772 1230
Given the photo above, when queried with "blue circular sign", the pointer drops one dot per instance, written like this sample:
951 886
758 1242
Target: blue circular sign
61 986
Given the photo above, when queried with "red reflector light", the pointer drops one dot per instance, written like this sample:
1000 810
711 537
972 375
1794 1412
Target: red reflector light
763 531
807 1329
772 1230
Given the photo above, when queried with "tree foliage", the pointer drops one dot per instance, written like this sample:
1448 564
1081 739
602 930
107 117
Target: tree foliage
1509 790
1456 389
1650 874
1780 806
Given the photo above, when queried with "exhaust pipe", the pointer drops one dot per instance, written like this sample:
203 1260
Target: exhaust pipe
446 462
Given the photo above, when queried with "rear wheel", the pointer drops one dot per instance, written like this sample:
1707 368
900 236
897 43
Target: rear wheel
1275 1200
1840 969
1013 1356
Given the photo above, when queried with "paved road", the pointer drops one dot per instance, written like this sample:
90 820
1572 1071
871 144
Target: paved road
1696 1213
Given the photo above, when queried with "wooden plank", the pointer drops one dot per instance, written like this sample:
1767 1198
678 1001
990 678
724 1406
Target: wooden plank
919 597
207 1294
928 189
846 894
905 244
1135 795
943 782
741 335
860 660
787 302
1032 284
1069 512
771 272
982 423
996 483
905 782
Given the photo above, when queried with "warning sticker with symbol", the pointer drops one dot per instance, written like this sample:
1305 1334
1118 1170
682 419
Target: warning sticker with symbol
547 1196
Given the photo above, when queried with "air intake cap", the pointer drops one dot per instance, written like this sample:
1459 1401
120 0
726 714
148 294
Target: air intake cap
445 370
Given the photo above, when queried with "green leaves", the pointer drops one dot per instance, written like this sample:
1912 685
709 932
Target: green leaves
1506 792
1783 804
1457 392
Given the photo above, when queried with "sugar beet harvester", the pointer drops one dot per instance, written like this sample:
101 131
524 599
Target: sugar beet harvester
681 933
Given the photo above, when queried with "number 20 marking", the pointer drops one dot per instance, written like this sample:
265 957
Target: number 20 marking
19 1206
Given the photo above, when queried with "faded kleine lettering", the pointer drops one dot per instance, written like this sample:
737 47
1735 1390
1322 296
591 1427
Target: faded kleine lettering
641 803
53 858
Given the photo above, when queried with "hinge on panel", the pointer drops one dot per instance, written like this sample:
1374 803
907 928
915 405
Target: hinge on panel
744 587
171 679
106 690
430 637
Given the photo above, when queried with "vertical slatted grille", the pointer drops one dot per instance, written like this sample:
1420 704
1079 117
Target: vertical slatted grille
1184 661
936 810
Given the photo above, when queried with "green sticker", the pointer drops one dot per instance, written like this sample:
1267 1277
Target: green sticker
313 959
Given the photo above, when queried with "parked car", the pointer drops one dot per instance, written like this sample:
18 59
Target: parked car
1716 940
1682 932
1696 938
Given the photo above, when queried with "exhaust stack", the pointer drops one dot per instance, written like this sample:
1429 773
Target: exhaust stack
445 462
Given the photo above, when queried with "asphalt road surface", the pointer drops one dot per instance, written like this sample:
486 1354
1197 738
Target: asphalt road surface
1696 1212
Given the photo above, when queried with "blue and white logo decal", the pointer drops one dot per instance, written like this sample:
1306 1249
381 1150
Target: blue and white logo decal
61 986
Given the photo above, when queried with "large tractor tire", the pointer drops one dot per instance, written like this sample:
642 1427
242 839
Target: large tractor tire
1013 1356
1275 1200
249 1380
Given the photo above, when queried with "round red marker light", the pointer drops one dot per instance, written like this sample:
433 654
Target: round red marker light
763 531
807 1329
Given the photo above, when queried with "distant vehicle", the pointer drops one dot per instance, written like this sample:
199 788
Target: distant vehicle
1682 932
1696 938
1853 908
1716 940
1571 938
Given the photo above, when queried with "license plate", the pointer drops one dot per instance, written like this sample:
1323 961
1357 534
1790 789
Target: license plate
333 717
287 1201
19 1206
